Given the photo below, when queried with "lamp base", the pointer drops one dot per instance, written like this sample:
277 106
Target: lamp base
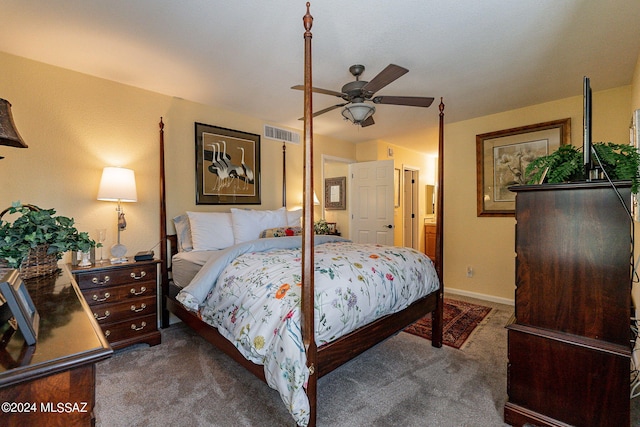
118 250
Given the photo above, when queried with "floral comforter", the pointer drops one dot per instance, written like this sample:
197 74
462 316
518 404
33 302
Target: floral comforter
252 295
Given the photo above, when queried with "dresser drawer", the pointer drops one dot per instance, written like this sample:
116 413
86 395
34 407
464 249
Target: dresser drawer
109 313
130 329
116 276
119 293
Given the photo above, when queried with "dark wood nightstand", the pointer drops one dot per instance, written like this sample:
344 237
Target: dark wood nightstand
123 299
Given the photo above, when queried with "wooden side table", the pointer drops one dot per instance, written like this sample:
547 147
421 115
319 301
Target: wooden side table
430 240
52 383
123 299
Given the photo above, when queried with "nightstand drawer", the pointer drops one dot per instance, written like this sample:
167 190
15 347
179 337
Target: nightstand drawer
119 293
116 276
130 329
109 313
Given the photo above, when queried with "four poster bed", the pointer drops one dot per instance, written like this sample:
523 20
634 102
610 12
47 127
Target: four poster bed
292 309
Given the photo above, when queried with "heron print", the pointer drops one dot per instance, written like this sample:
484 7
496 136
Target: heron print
229 165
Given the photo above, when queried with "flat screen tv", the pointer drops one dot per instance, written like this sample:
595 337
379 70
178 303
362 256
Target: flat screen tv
586 121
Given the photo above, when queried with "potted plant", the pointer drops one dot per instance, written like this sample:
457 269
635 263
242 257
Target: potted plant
321 227
37 239
619 161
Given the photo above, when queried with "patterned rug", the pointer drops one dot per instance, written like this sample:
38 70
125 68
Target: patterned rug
460 320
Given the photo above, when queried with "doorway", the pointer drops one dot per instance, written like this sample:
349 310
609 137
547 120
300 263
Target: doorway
411 209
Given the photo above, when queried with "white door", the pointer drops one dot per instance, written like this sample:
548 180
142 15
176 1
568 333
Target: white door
371 200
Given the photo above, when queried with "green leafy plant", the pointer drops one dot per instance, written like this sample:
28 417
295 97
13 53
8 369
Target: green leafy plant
36 227
619 161
321 227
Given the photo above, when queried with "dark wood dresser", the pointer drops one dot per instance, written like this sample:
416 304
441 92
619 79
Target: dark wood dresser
569 343
52 383
123 299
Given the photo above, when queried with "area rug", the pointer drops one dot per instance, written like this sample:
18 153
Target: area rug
460 320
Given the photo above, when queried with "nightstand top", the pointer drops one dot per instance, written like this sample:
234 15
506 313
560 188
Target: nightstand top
107 264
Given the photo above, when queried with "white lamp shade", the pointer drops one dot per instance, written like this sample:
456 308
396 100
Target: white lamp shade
358 112
118 185
315 199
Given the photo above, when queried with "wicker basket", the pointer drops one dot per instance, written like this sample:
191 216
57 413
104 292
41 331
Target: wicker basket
38 262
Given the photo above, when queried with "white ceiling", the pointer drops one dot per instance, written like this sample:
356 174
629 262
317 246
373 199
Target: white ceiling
483 57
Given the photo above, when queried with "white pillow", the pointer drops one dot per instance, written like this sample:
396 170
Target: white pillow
210 230
294 218
248 224
183 233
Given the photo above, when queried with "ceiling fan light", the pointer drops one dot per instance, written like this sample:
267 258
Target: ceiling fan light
358 112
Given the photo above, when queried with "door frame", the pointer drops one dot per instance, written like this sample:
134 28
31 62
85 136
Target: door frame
415 195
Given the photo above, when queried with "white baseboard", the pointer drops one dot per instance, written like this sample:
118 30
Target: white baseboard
479 296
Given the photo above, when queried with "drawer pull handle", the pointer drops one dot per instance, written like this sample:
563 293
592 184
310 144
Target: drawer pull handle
137 310
142 274
107 333
142 291
106 314
98 299
95 280
135 328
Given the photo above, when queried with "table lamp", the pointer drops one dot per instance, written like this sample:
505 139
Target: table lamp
118 185
8 133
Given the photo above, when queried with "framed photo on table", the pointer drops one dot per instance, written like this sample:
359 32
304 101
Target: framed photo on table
502 157
17 298
227 166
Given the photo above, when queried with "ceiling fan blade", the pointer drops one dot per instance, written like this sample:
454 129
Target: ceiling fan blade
412 101
326 110
367 122
318 90
384 77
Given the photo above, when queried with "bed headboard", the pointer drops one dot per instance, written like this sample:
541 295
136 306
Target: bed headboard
169 242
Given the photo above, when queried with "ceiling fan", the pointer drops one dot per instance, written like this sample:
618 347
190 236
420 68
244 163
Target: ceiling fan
359 95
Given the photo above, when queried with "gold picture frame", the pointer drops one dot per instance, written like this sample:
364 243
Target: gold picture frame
502 157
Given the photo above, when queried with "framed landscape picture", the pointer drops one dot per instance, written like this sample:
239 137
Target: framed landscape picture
502 157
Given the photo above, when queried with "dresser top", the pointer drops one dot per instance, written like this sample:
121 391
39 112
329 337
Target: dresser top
68 335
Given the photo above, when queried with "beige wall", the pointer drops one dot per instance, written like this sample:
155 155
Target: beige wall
487 244
75 125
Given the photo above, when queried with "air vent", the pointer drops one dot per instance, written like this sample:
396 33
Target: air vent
280 134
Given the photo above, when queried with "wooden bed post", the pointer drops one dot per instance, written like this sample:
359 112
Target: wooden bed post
437 315
308 324
284 174
164 272
329 356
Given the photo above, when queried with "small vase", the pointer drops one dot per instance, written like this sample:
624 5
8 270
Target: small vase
85 260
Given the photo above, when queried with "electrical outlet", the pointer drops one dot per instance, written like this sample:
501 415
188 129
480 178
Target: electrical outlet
469 271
